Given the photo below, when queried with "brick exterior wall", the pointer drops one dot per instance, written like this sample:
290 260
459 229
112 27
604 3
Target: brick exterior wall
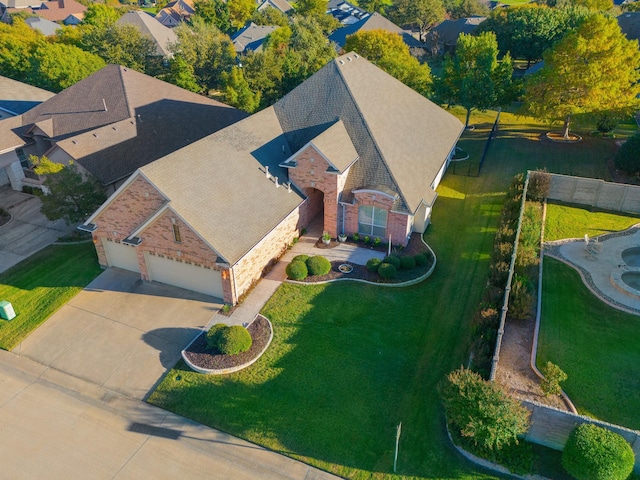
251 267
398 224
125 214
311 172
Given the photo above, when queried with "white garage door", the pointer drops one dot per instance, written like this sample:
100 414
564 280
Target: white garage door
183 275
121 256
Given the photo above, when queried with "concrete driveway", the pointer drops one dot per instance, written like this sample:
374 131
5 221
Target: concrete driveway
28 231
120 333
56 426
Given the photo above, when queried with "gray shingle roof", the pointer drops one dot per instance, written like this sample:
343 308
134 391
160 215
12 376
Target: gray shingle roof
402 138
448 31
219 187
335 144
147 25
373 22
165 118
18 97
44 26
630 24
252 37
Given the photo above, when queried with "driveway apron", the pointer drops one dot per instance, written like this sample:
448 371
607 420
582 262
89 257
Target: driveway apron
120 332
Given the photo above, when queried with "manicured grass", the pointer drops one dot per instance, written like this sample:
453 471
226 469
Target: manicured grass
596 345
350 361
565 221
43 283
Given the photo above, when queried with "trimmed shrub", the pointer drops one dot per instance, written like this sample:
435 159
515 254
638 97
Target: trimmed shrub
393 260
318 265
520 300
539 185
300 258
373 264
213 334
627 158
420 259
553 375
595 453
407 262
297 271
387 270
481 411
233 340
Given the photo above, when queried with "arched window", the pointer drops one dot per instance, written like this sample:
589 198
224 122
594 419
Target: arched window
372 221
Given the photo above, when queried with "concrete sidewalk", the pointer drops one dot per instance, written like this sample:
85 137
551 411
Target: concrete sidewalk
56 426
263 291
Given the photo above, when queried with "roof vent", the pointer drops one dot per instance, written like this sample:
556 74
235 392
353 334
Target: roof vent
277 184
95 135
349 58
104 102
289 187
266 171
356 55
341 62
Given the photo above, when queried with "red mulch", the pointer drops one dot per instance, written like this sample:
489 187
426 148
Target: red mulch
202 356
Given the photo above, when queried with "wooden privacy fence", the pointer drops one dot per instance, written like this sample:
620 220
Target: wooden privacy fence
616 197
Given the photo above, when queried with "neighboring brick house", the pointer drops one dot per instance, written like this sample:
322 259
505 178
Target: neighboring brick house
109 124
351 144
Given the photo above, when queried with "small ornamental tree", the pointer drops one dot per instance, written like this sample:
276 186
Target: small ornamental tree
553 375
595 453
481 411
627 158
539 185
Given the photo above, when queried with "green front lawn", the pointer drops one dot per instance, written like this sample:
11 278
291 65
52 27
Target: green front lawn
596 345
41 284
350 361
574 222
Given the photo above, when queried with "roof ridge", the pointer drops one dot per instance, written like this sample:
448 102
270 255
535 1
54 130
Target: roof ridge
125 90
366 124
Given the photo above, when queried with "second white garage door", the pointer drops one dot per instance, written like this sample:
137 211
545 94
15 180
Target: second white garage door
183 275
121 256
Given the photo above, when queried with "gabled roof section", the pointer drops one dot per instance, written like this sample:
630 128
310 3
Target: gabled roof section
402 138
94 119
448 31
282 5
252 37
17 97
219 187
44 26
336 146
58 10
375 21
147 25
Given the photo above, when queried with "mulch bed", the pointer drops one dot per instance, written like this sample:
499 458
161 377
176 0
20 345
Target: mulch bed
360 272
4 217
202 356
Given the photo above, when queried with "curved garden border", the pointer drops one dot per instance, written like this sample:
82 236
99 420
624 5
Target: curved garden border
400 284
237 368
8 221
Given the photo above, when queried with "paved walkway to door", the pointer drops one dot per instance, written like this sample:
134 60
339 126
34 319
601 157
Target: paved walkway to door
120 333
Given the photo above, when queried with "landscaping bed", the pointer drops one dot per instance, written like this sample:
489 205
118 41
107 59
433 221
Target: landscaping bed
202 356
4 217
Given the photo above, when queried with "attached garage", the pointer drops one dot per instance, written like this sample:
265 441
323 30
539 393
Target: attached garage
121 256
184 275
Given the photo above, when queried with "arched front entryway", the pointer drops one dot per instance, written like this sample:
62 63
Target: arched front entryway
314 215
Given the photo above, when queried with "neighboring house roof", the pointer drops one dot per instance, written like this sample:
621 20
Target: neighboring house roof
252 37
346 13
74 19
118 120
402 138
147 25
17 97
374 21
238 204
448 31
176 12
58 10
630 25
22 3
44 26
282 5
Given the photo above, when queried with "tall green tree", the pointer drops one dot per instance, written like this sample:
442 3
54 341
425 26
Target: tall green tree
379 6
465 8
594 69
240 11
528 31
474 78
206 50
215 12
17 44
57 66
312 7
120 45
270 16
101 15
69 196
238 93
422 13
389 52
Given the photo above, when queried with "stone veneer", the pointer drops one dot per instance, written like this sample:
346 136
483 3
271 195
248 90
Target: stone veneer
398 224
311 172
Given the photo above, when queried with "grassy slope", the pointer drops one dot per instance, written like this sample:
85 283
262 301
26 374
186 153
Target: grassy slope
597 346
41 284
573 222
351 361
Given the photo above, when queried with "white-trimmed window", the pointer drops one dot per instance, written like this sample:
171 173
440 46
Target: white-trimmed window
372 221
176 233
